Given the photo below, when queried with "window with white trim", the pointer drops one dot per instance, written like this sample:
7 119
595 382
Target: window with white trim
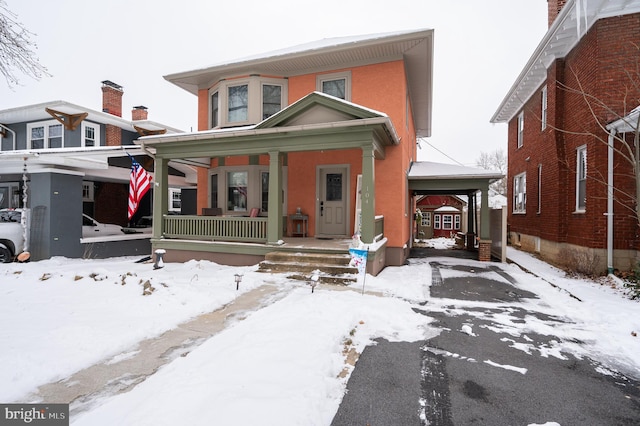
520 129
45 134
175 199
90 134
426 219
520 193
581 178
456 220
87 191
543 113
447 221
335 84
436 221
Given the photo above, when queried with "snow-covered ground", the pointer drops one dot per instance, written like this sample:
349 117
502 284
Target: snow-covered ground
280 365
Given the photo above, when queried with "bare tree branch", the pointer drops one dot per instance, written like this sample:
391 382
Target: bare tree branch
17 49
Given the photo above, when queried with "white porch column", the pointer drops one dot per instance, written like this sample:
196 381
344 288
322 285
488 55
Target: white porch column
274 221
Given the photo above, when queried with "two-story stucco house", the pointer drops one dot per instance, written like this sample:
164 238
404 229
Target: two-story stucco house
571 186
313 143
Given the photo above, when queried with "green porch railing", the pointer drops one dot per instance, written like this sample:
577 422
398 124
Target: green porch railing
221 228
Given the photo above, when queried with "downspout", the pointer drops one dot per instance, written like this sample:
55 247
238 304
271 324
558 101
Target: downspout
13 133
609 212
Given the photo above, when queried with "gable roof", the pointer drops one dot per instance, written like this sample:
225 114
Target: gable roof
572 23
414 47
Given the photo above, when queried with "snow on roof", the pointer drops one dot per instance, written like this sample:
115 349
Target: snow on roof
445 209
428 169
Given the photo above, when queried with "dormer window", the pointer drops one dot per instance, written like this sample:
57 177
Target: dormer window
247 101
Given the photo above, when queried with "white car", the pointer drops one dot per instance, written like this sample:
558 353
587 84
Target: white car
93 228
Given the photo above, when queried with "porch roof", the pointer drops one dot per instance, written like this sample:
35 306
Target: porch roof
292 129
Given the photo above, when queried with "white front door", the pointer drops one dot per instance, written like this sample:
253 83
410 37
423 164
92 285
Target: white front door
333 197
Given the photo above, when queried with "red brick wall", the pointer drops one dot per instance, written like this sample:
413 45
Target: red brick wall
595 69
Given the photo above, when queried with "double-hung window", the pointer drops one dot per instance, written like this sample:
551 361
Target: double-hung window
456 219
447 221
520 193
426 219
90 134
436 221
520 129
48 134
581 179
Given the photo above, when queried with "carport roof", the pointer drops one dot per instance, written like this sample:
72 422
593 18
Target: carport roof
421 170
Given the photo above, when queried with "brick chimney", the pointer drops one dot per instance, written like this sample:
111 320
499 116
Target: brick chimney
139 113
112 98
554 7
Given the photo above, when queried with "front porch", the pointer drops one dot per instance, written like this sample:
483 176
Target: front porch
243 241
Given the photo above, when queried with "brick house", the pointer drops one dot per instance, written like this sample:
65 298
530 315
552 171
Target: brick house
568 113
316 142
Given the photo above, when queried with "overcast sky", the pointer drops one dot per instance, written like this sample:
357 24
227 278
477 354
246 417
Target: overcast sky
480 47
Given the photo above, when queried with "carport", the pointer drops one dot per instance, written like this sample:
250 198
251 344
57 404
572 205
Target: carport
428 178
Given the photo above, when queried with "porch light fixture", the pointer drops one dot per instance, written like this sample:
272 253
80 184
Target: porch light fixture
238 278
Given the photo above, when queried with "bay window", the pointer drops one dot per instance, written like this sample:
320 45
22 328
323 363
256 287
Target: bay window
238 97
237 191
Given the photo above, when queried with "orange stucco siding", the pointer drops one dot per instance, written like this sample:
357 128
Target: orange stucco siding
302 181
381 87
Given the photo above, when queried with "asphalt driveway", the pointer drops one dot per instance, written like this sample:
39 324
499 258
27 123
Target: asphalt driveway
478 376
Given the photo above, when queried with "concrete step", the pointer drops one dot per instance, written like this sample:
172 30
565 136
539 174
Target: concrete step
333 268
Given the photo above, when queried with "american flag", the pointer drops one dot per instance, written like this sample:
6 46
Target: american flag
139 184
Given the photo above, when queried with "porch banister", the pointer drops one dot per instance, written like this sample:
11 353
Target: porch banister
160 194
484 215
368 201
274 222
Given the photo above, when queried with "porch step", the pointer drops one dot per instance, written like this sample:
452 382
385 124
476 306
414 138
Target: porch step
334 268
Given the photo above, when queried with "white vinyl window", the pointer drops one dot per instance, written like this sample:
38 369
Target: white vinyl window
456 224
336 84
520 129
426 219
447 221
436 221
581 179
543 113
46 134
520 193
90 134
